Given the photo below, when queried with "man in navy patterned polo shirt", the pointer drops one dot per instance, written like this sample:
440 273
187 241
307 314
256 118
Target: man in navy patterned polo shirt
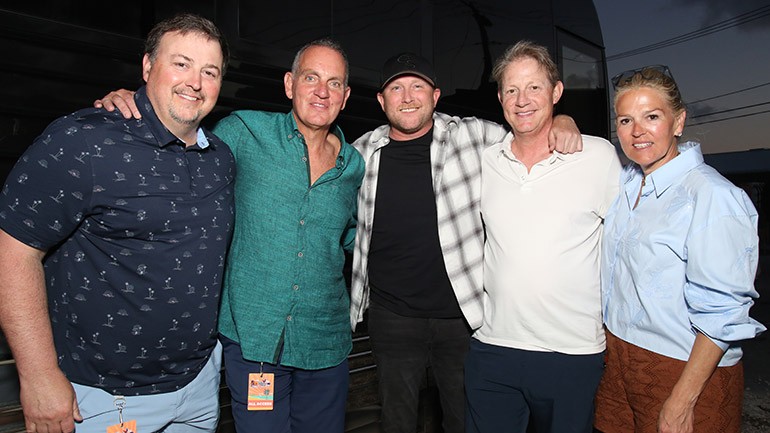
284 314
112 246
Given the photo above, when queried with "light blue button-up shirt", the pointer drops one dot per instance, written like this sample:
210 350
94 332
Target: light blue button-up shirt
682 261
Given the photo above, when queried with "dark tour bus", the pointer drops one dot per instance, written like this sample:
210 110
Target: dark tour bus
58 56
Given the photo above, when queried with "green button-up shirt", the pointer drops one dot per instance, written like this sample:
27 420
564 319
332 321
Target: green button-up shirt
284 286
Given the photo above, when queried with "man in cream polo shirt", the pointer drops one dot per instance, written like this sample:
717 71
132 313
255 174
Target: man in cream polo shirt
539 351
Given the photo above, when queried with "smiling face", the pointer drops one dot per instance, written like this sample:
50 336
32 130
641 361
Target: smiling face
408 102
183 81
647 127
528 97
317 88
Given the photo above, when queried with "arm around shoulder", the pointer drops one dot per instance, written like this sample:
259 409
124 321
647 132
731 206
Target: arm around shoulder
493 132
121 100
564 136
235 128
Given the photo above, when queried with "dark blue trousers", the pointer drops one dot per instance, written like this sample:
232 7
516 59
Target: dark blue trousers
306 401
507 388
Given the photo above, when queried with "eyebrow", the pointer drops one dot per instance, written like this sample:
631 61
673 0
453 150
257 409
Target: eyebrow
653 109
311 71
191 60
645 112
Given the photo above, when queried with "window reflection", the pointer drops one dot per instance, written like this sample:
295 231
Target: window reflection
583 74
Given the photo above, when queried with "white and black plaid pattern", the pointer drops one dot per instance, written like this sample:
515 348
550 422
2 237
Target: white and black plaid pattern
456 171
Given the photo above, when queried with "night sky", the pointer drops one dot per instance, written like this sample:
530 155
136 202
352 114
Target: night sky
726 51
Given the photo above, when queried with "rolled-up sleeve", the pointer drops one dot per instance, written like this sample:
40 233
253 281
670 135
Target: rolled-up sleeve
722 257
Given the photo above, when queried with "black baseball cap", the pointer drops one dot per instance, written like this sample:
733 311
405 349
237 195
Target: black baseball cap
407 64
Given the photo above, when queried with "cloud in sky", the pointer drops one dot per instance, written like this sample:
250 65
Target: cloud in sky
757 12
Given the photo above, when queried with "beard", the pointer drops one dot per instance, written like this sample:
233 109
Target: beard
193 119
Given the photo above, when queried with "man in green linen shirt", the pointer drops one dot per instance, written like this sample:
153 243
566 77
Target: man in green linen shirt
285 303
285 307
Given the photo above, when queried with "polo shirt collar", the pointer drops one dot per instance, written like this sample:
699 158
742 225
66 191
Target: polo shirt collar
162 135
504 149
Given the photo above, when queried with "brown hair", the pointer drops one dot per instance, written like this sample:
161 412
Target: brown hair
186 23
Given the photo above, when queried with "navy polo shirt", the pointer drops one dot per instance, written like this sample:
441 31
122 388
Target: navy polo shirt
136 226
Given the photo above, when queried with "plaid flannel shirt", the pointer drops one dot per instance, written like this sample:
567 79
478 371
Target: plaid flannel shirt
456 171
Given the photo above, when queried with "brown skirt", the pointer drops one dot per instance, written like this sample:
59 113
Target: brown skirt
637 382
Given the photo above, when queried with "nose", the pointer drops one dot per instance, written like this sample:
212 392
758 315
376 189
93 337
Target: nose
637 130
406 95
322 91
194 80
522 99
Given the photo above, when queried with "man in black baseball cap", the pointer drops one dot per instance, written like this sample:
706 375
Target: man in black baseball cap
418 265
407 64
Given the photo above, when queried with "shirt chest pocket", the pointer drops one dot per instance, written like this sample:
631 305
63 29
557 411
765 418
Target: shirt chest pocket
331 206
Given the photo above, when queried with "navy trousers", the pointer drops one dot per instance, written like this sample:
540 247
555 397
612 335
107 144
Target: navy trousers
507 388
306 401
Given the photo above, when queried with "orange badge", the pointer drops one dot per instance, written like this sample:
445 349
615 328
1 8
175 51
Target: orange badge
260 391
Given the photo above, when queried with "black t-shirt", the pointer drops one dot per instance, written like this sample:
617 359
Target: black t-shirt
407 274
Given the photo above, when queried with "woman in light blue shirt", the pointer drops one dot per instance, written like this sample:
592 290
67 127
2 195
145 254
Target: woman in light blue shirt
679 257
